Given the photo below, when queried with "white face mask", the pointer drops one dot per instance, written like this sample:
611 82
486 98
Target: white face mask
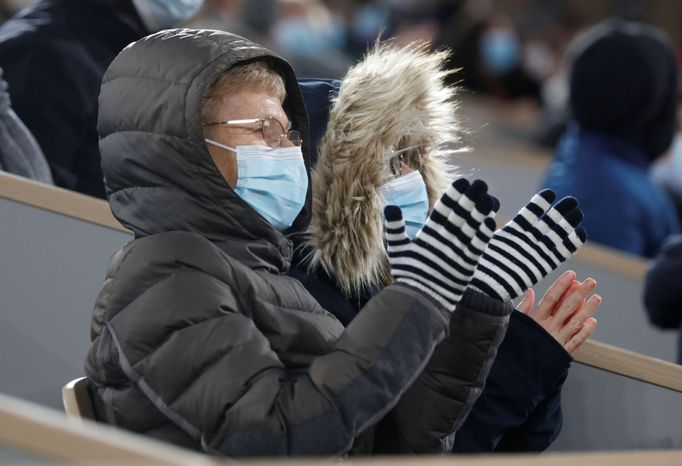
409 193
163 14
273 181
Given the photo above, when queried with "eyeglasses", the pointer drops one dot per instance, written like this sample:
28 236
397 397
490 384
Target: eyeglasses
396 164
397 160
272 130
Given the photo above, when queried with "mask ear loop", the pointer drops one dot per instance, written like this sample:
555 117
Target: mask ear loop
396 164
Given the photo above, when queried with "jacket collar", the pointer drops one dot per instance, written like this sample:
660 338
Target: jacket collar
584 143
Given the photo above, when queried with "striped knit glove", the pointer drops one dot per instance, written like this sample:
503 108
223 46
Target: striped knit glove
528 248
442 258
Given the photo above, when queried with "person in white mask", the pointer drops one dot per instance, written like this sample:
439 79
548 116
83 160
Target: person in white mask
72 42
255 148
386 134
164 14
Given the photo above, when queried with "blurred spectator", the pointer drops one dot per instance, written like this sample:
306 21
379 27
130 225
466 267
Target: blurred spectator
306 33
306 28
490 55
19 151
667 172
365 24
226 15
54 55
623 95
662 290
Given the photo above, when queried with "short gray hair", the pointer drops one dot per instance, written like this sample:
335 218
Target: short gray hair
257 74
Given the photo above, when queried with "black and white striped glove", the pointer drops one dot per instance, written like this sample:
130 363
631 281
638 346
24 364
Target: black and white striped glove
442 258
528 248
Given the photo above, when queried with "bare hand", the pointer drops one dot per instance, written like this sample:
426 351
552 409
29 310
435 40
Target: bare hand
564 311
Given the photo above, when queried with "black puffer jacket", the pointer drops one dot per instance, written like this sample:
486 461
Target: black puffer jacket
198 337
662 291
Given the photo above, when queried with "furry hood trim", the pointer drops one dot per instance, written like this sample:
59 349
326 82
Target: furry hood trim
395 98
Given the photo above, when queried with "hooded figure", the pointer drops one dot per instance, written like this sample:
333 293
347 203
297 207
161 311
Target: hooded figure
396 98
662 293
54 54
19 151
623 96
198 336
393 102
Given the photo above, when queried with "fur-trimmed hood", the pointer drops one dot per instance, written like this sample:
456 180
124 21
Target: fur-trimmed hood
395 98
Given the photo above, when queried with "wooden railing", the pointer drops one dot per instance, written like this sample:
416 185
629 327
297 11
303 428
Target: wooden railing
630 364
58 200
44 434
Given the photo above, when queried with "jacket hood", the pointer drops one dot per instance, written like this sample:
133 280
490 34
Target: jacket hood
623 83
394 98
158 173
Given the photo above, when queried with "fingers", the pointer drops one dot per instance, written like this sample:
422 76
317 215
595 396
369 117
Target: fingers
496 204
565 205
570 289
536 207
451 196
570 303
575 240
463 223
395 228
482 236
393 213
476 200
576 322
527 301
582 335
573 218
461 197
559 226
553 295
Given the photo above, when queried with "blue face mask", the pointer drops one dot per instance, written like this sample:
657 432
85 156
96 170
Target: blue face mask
273 181
500 51
163 14
409 193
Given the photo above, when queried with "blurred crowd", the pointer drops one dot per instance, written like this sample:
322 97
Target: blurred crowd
515 53
511 50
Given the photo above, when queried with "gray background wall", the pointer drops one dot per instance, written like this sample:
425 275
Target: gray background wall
51 268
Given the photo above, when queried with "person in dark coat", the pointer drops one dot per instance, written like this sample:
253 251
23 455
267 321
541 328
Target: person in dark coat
623 96
19 151
54 55
519 408
662 291
198 336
